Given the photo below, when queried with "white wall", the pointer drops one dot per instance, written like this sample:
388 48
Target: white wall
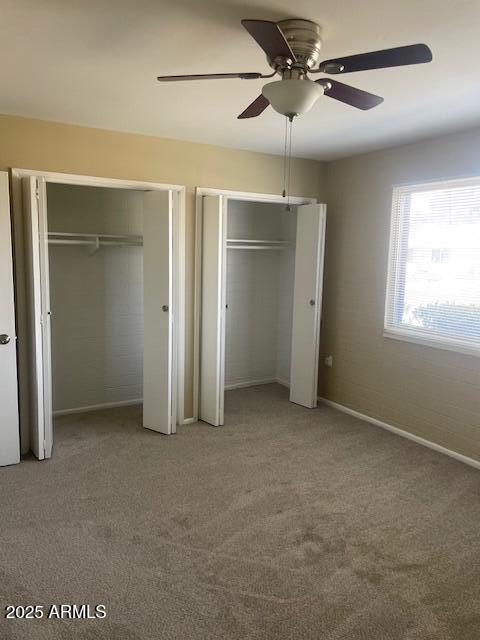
74 208
259 295
251 321
96 300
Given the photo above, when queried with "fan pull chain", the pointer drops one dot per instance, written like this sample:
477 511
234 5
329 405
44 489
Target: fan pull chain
287 160
284 194
289 208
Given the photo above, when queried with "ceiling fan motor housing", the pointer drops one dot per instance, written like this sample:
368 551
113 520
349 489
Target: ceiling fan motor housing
304 38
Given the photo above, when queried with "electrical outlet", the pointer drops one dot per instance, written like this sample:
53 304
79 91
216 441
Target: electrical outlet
328 360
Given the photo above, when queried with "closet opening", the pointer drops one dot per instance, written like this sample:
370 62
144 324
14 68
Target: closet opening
260 270
95 256
102 325
260 281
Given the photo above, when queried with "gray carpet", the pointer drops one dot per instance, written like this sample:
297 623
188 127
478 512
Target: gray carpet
287 523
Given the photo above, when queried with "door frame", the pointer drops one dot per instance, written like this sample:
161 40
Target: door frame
179 239
248 196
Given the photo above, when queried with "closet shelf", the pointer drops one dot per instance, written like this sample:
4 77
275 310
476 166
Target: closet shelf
239 243
94 240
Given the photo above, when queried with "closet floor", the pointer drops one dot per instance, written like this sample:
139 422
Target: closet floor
287 523
84 429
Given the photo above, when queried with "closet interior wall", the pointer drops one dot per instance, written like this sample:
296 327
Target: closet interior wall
96 297
259 293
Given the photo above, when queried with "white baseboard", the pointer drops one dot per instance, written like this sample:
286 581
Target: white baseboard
189 420
401 432
254 383
249 383
96 407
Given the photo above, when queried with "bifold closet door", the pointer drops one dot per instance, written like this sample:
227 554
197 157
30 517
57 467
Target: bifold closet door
36 236
158 358
212 336
307 304
9 436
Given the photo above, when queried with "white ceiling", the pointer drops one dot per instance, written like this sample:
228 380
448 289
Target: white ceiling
94 62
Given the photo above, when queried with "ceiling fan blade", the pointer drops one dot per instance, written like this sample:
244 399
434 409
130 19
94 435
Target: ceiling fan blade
270 37
211 76
254 109
349 95
397 57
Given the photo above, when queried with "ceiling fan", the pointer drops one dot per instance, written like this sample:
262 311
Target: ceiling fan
293 51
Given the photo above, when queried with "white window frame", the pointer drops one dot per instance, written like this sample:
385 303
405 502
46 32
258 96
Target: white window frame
407 333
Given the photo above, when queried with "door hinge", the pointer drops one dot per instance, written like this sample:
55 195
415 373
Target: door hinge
37 193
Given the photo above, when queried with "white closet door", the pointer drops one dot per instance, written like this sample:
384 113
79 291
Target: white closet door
307 304
35 210
158 399
212 337
9 436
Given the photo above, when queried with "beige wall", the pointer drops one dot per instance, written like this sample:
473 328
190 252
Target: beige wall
49 146
429 392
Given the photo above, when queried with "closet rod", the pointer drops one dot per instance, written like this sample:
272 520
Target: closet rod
242 241
257 247
74 234
104 243
95 240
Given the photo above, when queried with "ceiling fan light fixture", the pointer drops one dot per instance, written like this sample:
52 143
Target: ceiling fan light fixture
292 97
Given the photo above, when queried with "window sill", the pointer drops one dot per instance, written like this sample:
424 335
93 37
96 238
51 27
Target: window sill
447 344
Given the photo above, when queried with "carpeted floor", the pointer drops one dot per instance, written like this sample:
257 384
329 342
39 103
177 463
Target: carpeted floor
286 524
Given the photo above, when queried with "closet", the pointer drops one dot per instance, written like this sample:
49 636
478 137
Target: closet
261 284
101 298
95 240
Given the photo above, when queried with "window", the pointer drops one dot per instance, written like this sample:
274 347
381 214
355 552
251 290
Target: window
433 287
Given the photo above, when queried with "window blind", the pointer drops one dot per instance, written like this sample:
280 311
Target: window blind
433 284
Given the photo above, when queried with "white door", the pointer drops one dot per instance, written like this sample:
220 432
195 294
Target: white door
307 304
9 435
35 210
159 411
212 335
